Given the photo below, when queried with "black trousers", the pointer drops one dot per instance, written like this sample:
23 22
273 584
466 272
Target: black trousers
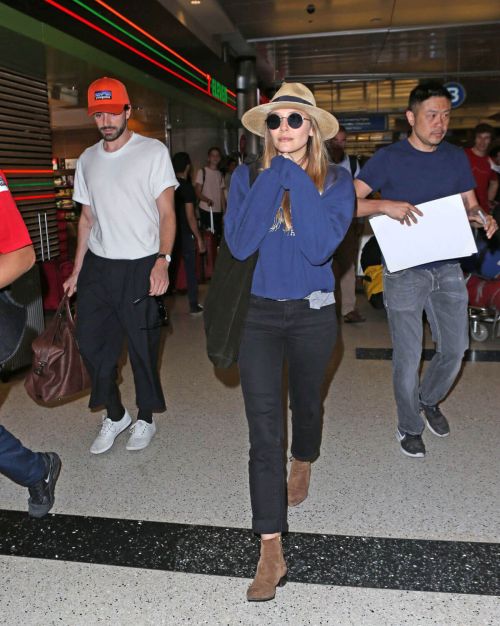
106 314
274 332
185 246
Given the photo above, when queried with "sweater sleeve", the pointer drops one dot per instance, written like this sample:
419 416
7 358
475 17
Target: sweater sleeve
250 211
320 222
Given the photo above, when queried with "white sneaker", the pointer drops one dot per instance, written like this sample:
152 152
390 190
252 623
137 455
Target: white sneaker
141 434
109 432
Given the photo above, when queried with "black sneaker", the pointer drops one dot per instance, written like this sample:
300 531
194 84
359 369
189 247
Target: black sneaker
435 420
41 498
197 310
411 445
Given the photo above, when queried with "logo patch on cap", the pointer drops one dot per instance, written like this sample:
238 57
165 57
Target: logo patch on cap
104 94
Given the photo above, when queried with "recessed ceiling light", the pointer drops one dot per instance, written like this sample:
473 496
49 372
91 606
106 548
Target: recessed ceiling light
195 1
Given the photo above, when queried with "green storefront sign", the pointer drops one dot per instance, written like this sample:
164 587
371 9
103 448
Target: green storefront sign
218 91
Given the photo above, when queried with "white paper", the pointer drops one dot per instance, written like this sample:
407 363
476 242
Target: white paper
442 232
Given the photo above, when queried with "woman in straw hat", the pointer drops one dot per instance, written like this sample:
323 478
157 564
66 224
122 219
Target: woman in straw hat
295 214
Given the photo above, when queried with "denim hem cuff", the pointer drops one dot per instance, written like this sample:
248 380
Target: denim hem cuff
407 432
269 526
304 459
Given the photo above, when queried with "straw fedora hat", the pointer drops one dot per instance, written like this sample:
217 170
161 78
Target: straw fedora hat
291 96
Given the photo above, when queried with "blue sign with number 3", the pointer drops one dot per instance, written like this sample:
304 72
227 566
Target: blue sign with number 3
457 93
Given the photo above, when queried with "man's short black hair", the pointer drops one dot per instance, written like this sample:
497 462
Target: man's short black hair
484 128
180 161
424 91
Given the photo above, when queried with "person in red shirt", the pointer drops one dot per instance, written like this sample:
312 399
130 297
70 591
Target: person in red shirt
38 471
486 178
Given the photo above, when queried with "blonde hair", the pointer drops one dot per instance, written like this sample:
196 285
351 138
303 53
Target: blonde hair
316 167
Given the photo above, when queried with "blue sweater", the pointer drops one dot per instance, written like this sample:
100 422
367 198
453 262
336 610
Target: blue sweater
292 264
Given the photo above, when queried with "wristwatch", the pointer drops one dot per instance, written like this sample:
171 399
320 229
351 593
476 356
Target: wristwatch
163 255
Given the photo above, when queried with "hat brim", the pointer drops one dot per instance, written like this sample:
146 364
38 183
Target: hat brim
254 120
102 107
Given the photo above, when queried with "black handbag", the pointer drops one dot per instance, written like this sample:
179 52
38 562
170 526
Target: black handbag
13 318
226 304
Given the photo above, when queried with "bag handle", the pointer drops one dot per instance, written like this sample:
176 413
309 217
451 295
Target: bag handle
62 309
69 314
204 174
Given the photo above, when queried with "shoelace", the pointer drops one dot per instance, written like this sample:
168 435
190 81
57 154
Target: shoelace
37 491
136 427
107 425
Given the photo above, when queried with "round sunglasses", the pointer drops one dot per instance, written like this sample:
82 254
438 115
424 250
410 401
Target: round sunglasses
294 120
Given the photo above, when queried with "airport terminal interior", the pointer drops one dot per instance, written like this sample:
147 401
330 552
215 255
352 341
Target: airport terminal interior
162 536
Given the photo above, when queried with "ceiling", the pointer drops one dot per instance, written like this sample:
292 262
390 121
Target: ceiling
278 18
363 53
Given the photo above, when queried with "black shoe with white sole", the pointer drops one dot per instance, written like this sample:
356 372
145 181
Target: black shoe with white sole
42 498
435 420
411 445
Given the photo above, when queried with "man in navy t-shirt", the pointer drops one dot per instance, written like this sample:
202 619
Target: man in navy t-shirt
416 170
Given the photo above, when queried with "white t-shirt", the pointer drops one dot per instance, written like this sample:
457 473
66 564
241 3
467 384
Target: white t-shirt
121 189
212 188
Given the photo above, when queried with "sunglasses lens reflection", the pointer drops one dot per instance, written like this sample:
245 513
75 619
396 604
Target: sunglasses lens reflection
273 121
294 120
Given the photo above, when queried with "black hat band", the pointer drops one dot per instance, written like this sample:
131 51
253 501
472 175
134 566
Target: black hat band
292 99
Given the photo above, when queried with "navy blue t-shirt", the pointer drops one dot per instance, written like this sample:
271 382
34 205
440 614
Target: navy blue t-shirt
401 172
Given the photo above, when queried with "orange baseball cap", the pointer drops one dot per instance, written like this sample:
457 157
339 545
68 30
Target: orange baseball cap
107 95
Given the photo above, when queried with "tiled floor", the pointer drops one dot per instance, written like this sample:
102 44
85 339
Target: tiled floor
195 472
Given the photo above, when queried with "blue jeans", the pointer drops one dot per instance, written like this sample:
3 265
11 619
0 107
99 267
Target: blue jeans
18 463
274 332
441 292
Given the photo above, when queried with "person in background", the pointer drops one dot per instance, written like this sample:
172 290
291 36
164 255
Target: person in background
419 169
495 159
242 149
495 166
126 233
209 187
295 214
188 234
484 175
346 255
231 165
38 471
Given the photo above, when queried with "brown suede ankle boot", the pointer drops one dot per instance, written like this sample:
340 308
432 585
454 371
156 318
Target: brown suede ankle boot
271 571
298 481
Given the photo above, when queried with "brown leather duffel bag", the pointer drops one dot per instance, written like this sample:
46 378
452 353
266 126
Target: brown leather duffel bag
57 368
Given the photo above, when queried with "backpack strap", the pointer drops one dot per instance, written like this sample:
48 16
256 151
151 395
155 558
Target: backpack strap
254 169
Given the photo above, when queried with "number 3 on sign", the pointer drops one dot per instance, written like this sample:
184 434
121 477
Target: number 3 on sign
457 93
